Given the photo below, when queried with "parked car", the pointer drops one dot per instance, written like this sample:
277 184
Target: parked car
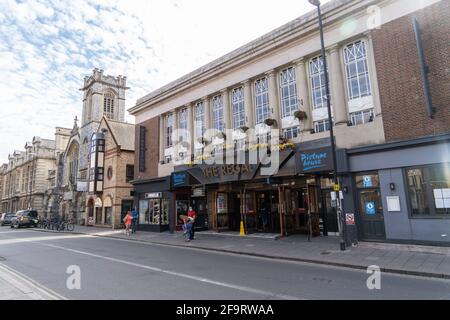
25 218
5 218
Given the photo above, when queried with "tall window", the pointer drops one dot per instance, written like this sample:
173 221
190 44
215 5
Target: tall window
357 72
199 119
217 107
318 85
237 100
182 116
169 130
262 100
129 172
429 190
288 91
108 105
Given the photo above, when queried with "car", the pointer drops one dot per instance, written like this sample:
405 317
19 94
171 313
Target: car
25 218
5 218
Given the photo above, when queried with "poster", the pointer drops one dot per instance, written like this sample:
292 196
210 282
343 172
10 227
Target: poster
370 208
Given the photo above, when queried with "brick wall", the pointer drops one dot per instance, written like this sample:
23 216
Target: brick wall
401 89
152 152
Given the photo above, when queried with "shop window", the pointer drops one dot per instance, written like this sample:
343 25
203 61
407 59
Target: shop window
429 190
154 212
108 215
222 203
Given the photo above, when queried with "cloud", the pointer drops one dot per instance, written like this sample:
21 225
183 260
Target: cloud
47 47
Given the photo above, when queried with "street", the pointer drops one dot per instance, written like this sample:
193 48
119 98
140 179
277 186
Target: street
122 269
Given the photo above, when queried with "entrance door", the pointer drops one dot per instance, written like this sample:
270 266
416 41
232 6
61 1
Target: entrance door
98 215
328 213
372 219
199 206
127 205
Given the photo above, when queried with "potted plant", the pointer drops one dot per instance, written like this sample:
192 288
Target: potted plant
300 115
244 128
270 122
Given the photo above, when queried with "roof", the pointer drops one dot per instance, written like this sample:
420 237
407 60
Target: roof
122 132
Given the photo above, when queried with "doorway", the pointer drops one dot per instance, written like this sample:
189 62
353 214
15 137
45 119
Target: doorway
127 205
199 206
328 214
370 207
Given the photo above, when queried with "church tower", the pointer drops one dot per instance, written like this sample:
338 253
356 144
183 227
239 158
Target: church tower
102 95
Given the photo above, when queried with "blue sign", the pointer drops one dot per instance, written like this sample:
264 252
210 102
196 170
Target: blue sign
370 208
179 179
314 161
367 182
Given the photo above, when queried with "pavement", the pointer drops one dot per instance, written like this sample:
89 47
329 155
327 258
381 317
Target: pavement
426 261
104 265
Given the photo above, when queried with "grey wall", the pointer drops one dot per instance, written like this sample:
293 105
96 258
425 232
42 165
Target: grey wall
400 158
399 226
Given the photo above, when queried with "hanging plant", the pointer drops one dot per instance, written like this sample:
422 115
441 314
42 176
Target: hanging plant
244 128
300 115
270 122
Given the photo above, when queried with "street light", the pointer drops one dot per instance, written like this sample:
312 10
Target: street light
330 120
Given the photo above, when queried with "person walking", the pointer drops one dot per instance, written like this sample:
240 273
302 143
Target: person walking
128 220
135 215
191 216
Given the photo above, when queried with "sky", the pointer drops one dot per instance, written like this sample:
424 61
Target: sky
47 47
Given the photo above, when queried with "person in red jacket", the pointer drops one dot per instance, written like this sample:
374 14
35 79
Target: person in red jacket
191 216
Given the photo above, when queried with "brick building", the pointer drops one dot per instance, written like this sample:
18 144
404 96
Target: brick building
393 159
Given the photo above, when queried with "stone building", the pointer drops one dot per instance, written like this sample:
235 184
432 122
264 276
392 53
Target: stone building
26 174
103 95
271 94
109 201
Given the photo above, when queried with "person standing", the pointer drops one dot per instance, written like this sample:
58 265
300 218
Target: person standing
135 215
128 221
191 216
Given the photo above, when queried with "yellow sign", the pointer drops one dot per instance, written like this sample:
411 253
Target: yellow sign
336 187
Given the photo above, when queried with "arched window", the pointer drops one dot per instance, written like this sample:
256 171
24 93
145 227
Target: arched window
108 105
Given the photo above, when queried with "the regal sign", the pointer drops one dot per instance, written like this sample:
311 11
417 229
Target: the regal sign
226 170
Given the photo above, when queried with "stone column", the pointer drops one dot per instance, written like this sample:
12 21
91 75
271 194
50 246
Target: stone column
226 109
162 130
207 113
191 127
175 137
248 104
274 104
337 79
303 93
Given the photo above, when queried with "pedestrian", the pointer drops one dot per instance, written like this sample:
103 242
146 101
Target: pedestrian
135 215
191 216
128 220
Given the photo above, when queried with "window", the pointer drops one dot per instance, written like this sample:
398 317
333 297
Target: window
169 130
154 211
318 85
109 173
240 144
262 100
183 124
290 133
108 105
288 92
217 108
321 126
429 190
361 117
357 72
199 120
237 100
142 148
129 173
263 138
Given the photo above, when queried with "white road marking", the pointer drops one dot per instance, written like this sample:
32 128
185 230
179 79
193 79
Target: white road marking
27 285
180 275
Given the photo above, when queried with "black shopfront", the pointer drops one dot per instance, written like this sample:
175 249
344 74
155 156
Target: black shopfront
154 200
282 203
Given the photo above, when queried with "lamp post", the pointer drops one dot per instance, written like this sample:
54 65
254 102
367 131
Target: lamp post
330 120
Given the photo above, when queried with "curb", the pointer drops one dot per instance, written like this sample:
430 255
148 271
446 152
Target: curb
260 255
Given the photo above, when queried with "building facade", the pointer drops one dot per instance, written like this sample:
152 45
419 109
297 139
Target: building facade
111 171
390 186
103 95
26 175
